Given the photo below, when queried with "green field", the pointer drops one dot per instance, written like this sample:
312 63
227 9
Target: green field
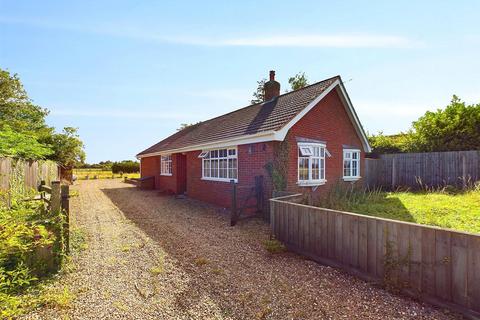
459 211
88 174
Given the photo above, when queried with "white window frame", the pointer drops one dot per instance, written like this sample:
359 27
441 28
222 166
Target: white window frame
348 156
301 148
206 156
166 165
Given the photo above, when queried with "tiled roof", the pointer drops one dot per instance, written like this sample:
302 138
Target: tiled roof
268 116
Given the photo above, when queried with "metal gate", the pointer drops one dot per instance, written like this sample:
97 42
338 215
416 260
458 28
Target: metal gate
250 203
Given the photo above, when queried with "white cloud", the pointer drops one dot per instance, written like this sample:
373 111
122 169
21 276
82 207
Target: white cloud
353 40
325 40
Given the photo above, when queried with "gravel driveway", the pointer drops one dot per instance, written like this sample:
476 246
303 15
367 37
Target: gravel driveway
155 257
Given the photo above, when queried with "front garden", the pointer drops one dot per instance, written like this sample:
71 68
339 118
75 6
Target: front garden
443 207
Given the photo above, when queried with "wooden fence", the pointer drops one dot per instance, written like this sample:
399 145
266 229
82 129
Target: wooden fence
431 168
57 199
24 175
436 265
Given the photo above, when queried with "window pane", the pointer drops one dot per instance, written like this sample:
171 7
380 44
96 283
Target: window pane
322 168
315 169
305 151
232 168
214 165
316 151
303 168
322 152
232 152
346 168
354 168
206 168
355 155
222 171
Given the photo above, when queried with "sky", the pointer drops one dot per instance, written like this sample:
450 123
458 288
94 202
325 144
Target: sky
128 73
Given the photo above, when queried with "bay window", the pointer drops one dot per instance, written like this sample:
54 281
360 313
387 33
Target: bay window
219 164
351 164
311 163
166 165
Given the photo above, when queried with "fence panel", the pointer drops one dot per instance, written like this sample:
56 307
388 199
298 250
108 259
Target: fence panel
431 168
437 265
26 173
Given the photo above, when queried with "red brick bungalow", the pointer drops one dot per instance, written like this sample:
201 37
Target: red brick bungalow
307 140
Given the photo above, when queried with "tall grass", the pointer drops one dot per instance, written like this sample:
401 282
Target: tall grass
341 197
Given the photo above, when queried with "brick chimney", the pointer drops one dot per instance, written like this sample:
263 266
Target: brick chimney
271 89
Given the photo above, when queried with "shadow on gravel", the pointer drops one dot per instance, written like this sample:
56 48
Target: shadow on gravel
198 237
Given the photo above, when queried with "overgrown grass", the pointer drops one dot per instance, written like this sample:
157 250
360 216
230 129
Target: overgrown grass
89 174
445 207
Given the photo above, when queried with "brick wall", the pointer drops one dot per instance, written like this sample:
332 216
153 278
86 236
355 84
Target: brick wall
150 166
251 162
327 121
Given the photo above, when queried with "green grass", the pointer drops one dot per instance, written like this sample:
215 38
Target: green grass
101 174
459 211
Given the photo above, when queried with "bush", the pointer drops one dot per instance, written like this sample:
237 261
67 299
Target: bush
22 234
126 166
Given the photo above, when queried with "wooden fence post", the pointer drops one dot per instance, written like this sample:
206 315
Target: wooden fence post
394 173
233 217
65 193
55 200
259 193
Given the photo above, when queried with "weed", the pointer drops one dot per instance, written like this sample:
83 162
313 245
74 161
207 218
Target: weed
120 306
159 267
218 271
126 248
156 270
59 299
201 261
274 246
78 239
74 193
264 312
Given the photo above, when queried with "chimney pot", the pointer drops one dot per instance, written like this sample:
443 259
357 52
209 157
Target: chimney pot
271 88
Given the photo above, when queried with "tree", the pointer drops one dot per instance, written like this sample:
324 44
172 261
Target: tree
298 81
396 143
32 138
19 145
259 94
16 109
187 125
455 128
126 166
67 147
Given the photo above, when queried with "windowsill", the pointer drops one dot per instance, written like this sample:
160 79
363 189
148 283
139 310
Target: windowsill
351 179
219 179
311 183
166 174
